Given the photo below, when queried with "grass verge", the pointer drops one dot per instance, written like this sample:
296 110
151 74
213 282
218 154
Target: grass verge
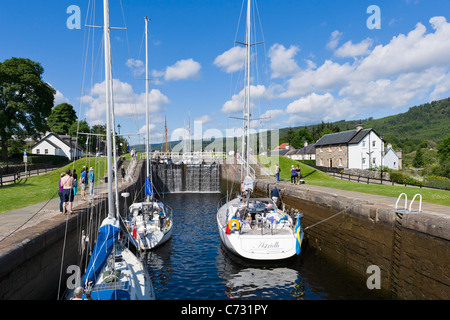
32 190
315 177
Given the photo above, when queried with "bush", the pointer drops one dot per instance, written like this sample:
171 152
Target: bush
42 158
437 182
399 177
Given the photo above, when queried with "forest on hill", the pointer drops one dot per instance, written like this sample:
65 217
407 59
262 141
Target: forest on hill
429 121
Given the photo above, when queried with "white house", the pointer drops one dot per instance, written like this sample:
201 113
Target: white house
359 149
308 152
59 145
392 159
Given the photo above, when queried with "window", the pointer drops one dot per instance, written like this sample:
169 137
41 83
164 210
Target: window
374 160
364 143
363 160
340 162
373 143
329 149
321 162
340 147
38 151
46 151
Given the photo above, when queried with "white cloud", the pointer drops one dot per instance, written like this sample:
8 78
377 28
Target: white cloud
316 107
136 66
349 49
282 62
127 103
410 67
231 60
335 37
328 76
60 98
413 52
236 103
272 114
204 119
182 69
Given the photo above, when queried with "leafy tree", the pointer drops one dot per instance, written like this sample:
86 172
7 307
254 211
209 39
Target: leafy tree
80 126
25 101
444 148
418 161
444 157
61 118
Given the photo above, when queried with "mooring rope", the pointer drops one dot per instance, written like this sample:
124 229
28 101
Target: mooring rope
334 215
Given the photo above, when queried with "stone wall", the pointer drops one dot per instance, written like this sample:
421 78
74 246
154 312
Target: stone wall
31 260
413 254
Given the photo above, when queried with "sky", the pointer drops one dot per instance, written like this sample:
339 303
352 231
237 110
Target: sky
319 60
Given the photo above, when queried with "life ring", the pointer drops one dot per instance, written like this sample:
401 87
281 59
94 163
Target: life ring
231 221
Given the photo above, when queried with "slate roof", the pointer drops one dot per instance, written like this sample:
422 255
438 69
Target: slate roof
280 152
309 149
345 137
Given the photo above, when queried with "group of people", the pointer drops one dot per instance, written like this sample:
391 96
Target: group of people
296 173
68 185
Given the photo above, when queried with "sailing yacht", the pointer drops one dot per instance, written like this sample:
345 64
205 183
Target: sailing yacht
149 223
114 272
255 228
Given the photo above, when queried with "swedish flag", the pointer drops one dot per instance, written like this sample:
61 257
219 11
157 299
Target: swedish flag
298 236
148 187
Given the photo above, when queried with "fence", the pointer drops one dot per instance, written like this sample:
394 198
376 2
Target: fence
427 182
16 176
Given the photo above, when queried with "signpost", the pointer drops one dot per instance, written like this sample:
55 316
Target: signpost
25 160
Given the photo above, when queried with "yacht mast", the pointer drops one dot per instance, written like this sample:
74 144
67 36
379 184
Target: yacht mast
246 133
146 96
107 39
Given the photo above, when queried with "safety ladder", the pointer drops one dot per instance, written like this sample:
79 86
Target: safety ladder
398 229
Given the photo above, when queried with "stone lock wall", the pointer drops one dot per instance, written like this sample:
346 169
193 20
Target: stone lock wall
412 252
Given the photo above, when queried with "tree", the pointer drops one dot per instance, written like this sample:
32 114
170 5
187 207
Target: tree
25 101
418 161
61 118
80 126
444 148
444 156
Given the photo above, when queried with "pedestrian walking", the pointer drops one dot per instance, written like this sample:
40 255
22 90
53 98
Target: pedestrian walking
299 174
83 183
67 184
61 192
293 174
75 179
122 169
91 181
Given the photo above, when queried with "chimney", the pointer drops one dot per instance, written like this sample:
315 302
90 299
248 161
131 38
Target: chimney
359 127
305 143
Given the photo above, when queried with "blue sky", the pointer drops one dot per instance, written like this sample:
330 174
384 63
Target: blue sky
319 61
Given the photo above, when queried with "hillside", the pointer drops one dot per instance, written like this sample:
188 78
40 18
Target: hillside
406 130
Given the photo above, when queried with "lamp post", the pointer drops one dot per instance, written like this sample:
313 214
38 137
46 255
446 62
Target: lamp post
381 159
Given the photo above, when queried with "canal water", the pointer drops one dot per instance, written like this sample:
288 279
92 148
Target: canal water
194 265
